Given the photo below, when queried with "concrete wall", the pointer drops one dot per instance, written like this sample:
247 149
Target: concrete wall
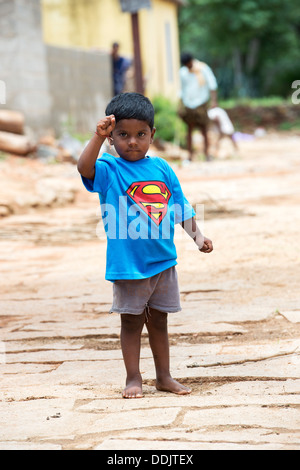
99 23
80 87
23 66
50 85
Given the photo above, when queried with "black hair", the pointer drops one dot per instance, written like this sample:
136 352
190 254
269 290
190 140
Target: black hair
131 106
186 57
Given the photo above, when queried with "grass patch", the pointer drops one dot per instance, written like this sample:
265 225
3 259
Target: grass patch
254 102
3 156
289 126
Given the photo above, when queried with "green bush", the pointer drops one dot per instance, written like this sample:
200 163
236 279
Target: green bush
169 126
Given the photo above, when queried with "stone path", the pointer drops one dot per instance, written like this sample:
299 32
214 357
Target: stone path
236 343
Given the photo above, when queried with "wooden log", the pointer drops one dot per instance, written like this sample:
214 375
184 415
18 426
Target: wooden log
11 121
16 144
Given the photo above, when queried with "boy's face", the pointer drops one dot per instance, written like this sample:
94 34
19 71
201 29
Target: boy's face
132 138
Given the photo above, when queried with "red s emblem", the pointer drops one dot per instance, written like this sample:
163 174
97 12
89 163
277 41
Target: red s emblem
151 196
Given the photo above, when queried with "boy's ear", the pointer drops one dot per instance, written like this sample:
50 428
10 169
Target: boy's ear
153 133
110 139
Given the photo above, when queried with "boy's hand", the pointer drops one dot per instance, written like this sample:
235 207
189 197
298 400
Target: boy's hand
106 126
207 246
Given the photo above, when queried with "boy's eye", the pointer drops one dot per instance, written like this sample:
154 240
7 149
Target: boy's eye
142 134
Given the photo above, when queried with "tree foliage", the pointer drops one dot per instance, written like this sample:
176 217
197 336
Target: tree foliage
253 45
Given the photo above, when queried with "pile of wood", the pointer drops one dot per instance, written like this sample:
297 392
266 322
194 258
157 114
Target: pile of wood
12 138
14 141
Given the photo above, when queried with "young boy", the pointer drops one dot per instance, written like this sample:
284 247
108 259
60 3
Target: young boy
141 200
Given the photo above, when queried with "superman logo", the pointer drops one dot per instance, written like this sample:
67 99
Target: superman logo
152 197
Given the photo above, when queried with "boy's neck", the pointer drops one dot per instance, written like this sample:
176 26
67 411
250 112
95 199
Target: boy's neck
133 161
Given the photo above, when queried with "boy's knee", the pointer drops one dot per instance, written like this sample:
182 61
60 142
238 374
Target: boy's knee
132 322
158 319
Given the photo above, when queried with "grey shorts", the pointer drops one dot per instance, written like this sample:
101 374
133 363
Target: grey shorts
160 292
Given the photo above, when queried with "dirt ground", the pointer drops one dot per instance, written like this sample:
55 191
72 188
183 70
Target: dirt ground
236 343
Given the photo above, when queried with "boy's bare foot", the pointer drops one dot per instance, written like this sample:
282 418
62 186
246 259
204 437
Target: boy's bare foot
133 390
170 385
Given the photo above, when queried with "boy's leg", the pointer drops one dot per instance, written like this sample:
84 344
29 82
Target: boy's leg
131 330
157 326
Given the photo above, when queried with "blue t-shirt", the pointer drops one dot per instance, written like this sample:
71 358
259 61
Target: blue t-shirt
140 204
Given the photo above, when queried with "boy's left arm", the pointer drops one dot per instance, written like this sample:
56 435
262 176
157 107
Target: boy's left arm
204 244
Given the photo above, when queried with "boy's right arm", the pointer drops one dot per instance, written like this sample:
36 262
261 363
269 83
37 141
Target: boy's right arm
87 160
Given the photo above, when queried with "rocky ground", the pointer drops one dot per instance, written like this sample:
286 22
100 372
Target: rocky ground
236 343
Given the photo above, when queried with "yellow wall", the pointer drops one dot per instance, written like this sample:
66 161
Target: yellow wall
96 24
161 69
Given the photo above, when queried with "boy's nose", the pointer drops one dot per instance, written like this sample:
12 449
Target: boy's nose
132 142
